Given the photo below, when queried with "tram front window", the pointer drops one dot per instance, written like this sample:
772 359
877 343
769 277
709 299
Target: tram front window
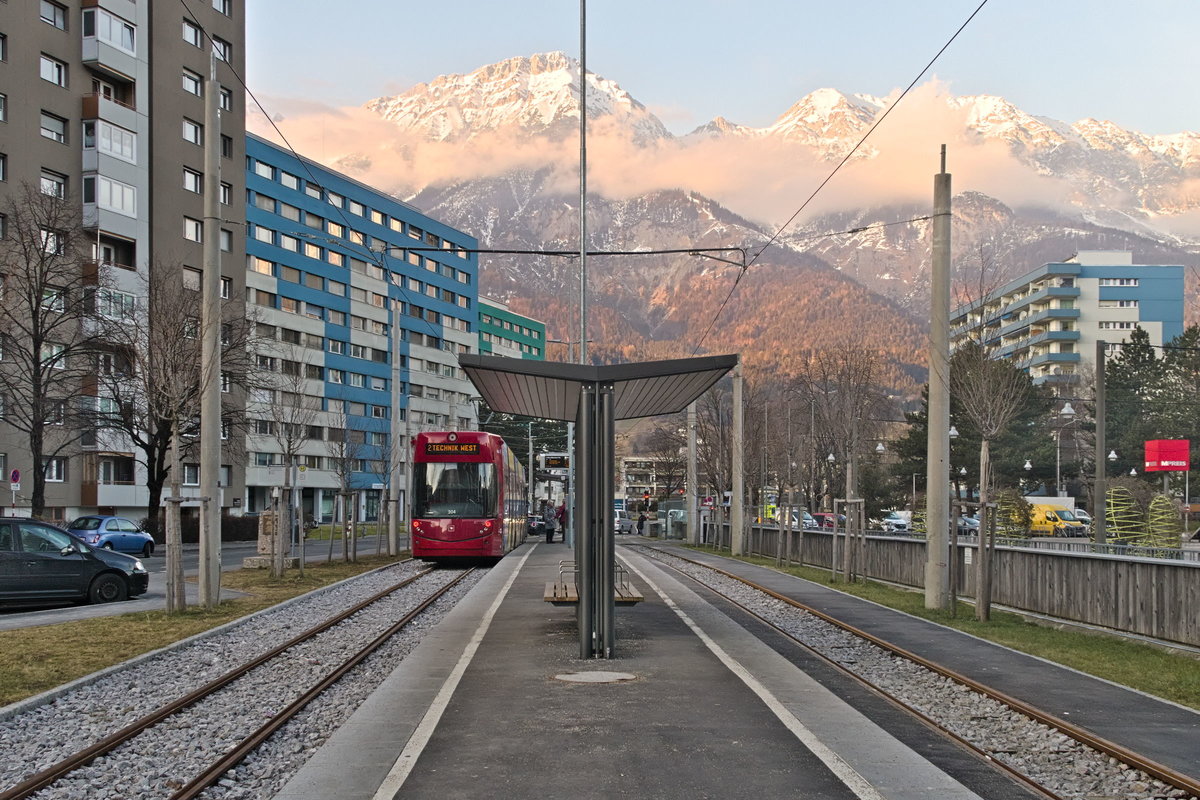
454 490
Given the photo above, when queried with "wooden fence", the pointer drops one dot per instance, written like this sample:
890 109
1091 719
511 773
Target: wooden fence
1146 596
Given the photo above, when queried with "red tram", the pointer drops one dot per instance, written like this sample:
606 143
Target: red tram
468 496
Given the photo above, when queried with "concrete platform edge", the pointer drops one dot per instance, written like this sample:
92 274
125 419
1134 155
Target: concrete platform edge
356 759
891 768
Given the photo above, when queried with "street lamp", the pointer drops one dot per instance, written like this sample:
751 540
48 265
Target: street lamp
1112 455
1028 465
953 432
1133 471
879 448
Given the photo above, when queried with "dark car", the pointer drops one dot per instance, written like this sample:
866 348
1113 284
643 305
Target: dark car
41 562
828 521
113 533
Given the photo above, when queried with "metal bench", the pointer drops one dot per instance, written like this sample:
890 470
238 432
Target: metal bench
564 591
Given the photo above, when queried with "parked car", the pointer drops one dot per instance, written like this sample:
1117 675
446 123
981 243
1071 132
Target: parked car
968 526
113 533
622 522
804 521
828 520
1083 516
39 561
895 522
1055 520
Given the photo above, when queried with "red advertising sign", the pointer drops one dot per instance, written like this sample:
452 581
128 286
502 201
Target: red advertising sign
1168 455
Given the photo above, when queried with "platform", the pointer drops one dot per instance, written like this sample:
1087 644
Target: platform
488 706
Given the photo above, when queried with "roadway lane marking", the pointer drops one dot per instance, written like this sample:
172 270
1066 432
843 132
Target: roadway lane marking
835 763
404 764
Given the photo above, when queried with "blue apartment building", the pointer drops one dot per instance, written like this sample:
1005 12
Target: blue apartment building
1049 320
362 305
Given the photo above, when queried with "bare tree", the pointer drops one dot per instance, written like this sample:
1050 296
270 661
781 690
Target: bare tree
345 446
150 372
47 331
847 403
286 414
989 392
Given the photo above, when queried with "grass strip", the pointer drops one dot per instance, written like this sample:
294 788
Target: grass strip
33 660
1171 675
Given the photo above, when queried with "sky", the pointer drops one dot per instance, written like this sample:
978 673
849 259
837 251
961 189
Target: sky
1134 62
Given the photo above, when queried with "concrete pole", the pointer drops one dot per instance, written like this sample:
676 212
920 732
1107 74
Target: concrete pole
693 521
937 487
1101 483
396 433
582 182
210 325
529 491
737 511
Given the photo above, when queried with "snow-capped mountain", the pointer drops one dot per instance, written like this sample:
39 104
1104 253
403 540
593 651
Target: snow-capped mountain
1112 189
534 95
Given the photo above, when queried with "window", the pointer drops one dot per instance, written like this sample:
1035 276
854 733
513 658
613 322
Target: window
193 181
226 244
193 131
337 317
54 184
53 355
1118 281
116 305
290 274
110 29
224 6
336 375
227 100
54 127
3 47
54 298
1117 326
193 83
55 469
191 279
266 235
222 48
1118 304
109 138
337 347
191 474
53 242
53 70
289 180
110 195
336 287
193 229
3 168
192 34
3 107
227 147
54 14
261 265
226 194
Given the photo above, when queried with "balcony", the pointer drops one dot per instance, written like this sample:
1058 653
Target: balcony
110 109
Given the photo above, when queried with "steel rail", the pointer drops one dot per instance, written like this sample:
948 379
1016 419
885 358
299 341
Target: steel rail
54 772
1082 735
252 742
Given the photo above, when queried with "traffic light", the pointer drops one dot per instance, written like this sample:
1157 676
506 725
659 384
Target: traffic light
646 496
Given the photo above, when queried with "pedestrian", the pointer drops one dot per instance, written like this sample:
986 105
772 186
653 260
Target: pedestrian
641 523
548 517
561 516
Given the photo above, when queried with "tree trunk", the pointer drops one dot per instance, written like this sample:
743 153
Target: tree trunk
38 473
176 597
983 559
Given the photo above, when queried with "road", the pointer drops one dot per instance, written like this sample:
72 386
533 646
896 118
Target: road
155 599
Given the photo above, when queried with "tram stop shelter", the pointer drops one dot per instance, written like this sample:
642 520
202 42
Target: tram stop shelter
594 398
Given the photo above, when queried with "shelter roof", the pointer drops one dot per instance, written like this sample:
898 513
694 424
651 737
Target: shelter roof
550 390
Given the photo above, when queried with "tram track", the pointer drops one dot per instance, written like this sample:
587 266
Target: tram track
1128 767
76 762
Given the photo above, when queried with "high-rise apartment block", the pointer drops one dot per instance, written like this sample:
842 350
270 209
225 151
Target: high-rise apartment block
362 305
102 105
1049 320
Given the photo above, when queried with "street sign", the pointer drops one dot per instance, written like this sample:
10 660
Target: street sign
709 501
14 486
15 477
